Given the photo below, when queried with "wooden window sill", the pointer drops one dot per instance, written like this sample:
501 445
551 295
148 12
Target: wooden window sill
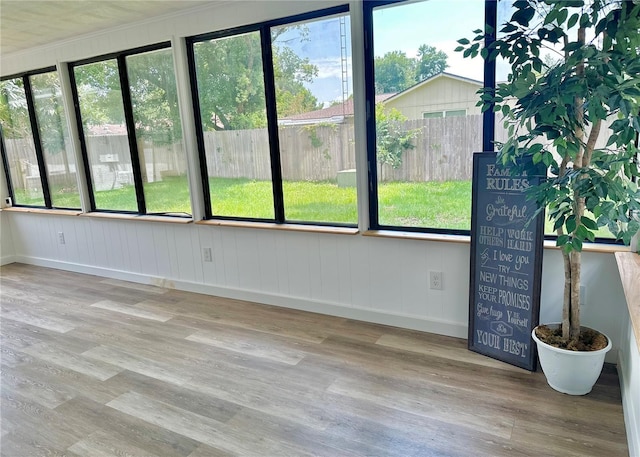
135 217
274 226
419 236
548 244
56 212
629 268
593 247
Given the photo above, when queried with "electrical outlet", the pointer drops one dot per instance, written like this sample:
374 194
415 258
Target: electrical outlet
435 280
206 255
61 237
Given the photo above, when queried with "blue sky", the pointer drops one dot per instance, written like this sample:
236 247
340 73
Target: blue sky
438 23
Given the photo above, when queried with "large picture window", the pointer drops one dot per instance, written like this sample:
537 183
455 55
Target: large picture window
41 165
131 132
275 120
426 124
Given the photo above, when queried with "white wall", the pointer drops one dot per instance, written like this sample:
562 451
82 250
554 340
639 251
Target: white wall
370 278
7 250
629 372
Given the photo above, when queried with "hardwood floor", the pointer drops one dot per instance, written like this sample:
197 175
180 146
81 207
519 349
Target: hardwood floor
99 367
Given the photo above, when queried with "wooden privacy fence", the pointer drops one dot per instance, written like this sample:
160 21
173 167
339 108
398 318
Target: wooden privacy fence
316 152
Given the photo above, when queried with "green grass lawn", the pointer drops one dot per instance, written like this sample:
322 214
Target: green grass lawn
429 204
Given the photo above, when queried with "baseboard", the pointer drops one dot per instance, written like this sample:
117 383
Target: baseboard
438 326
7 259
630 409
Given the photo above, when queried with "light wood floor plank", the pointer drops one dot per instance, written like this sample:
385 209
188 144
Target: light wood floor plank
101 444
128 430
208 431
147 371
98 369
132 311
48 323
135 363
261 349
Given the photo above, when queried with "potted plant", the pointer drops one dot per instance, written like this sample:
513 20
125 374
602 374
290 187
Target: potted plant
572 103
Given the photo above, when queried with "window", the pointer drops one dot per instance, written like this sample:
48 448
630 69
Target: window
318 157
42 169
233 125
448 113
131 132
426 124
52 128
275 120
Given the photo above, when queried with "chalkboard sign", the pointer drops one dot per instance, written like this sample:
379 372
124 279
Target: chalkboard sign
506 264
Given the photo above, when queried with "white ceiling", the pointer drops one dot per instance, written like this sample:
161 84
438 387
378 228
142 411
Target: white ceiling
28 23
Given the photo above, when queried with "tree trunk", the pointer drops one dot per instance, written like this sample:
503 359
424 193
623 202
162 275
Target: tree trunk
575 295
566 307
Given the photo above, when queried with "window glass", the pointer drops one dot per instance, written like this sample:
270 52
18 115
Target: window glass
57 152
20 148
232 103
163 162
455 112
105 134
312 67
427 121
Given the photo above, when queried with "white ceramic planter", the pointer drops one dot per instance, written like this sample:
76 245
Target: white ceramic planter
570 372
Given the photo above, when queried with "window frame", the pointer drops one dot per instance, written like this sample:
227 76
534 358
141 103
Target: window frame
264 29
37 142
488 120
125 92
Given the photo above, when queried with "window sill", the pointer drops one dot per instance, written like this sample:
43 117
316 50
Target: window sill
465 239
592 247
55 212
419 236
288 227
134 217
629 268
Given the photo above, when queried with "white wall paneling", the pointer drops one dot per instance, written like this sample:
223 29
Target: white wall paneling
7 250
629 372
377 279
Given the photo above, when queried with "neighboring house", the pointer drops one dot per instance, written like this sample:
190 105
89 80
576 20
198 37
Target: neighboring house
442 95
336 114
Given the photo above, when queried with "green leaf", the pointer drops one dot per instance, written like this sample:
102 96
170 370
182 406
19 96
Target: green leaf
573 20
523 16
562 16
588 223
464 41
558 223
577 244
571 223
